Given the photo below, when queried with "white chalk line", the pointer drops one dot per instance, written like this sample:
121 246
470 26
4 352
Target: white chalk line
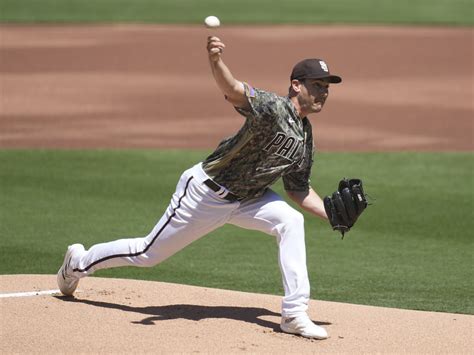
29 294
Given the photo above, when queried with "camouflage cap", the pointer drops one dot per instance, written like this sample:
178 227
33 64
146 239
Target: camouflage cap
313 69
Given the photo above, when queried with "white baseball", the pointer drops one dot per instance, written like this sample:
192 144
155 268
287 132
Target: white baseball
212 22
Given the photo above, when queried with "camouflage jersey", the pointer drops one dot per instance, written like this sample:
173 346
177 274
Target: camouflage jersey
274 142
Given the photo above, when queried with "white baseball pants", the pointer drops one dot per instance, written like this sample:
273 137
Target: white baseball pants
194 211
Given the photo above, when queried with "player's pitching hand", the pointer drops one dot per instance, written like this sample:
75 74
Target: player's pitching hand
215 47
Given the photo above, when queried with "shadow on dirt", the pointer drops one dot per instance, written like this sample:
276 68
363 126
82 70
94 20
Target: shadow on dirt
191 312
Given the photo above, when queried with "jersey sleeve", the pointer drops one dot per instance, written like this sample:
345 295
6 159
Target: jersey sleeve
263 106
298 180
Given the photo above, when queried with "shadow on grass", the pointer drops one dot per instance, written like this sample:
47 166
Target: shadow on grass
191 312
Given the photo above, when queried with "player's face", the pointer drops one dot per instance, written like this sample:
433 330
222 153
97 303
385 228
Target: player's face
313 95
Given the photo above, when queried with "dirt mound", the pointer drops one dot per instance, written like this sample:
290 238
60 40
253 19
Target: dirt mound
130 316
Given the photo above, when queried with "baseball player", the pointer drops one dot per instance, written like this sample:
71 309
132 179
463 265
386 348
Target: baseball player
232 185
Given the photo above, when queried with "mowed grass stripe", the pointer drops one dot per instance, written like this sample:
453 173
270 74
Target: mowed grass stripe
440 12
411 249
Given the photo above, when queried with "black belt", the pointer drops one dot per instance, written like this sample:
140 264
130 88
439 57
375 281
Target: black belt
216 188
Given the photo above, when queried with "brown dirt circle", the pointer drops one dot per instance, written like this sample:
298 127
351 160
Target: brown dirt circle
130 316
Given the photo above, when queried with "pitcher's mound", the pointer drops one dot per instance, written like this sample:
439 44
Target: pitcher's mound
130 316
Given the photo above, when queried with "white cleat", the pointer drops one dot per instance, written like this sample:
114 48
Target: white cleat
303 326
67 282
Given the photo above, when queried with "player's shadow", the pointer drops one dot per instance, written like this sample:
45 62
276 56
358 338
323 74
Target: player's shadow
191 312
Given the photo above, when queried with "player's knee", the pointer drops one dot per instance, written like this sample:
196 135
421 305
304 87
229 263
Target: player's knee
295 218
292 218
145 260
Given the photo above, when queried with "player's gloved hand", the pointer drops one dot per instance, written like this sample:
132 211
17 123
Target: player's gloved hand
345 205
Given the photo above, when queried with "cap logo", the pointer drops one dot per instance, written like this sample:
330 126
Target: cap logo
324 66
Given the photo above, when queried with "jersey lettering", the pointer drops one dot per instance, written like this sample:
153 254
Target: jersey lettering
284 146
292 156
276 141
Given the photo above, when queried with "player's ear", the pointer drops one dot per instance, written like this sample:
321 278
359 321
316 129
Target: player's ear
296 85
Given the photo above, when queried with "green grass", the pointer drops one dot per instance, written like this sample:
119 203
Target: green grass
411 249
439 12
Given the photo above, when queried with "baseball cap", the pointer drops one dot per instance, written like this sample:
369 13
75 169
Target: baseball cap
313 68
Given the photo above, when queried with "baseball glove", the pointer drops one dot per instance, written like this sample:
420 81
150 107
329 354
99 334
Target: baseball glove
345 205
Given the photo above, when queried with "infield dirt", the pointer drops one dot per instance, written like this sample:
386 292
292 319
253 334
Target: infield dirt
150 87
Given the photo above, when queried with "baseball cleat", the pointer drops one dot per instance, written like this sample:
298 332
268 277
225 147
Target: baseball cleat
67 282
302 325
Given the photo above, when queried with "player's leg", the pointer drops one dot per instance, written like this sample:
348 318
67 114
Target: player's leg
272 215
194 211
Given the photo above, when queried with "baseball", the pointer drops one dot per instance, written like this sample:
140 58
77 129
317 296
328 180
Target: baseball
212 22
